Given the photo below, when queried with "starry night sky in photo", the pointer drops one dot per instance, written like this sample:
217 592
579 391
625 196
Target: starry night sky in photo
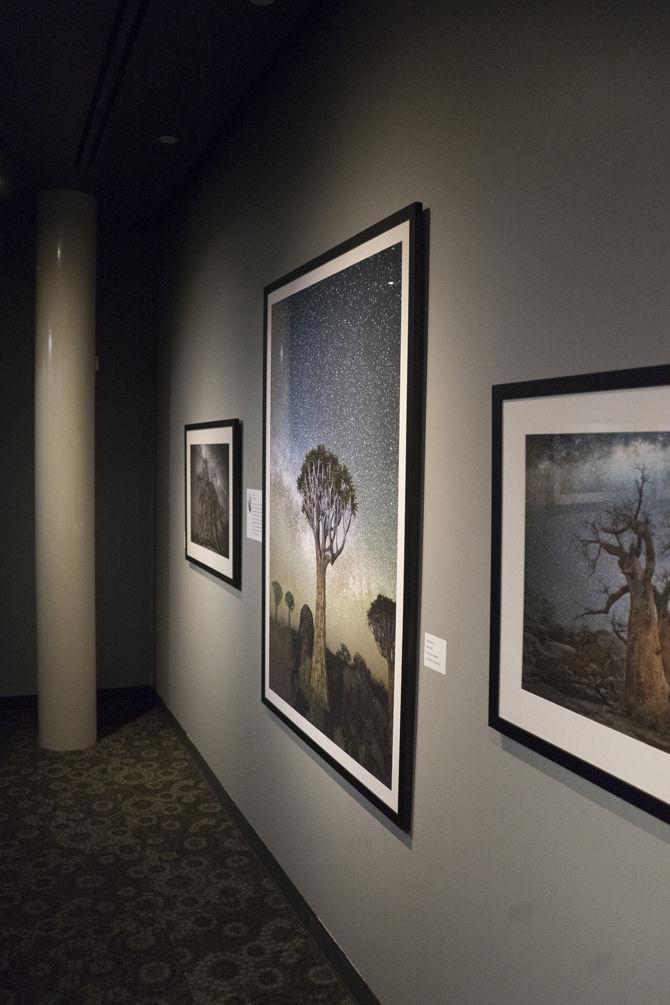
335 379
572 479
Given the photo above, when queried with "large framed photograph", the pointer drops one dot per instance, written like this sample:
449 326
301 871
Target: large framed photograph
213 482
343 426
580 612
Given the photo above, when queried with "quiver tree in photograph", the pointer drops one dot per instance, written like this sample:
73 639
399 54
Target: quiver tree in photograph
329 505
626 532
277 594
381 620
290 603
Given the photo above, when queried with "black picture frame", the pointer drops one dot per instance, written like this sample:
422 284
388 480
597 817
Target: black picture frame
213 497
344 352
581 496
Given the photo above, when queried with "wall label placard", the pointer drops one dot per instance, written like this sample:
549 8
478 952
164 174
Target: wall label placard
435 653
254 508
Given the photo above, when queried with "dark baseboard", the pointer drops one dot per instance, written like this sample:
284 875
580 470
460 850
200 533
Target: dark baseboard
340 963
143 694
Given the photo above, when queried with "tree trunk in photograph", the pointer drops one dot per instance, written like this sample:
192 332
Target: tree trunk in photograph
646 685
319 678
664 637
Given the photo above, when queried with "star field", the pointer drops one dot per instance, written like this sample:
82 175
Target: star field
335 379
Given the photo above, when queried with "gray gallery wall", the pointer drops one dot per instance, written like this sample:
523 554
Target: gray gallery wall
17 480
125 461
125 415
538 136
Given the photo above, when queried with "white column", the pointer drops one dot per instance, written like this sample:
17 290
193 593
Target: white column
65 469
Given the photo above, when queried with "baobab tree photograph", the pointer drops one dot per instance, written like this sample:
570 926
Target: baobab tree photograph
209 496
212 514
334 485
580 576
597 578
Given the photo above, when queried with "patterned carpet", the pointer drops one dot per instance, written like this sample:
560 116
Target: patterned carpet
124 880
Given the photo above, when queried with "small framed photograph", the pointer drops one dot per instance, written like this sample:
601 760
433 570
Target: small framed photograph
580 607
342 475
213 480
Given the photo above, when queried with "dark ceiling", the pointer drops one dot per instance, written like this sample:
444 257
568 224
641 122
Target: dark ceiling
88 86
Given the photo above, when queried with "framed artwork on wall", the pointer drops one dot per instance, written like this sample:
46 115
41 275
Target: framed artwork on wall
580 606
213 487
343 447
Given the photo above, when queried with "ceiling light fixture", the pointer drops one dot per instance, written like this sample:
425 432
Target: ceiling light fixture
168 140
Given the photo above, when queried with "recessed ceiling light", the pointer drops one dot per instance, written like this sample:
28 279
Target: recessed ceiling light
168 139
